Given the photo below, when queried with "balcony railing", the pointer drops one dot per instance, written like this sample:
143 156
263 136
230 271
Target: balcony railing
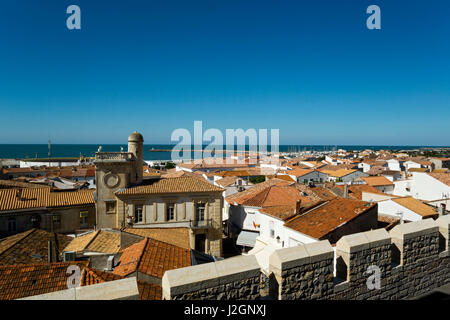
127 156
201 224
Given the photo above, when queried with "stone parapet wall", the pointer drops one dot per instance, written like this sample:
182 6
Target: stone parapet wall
410 260
231 279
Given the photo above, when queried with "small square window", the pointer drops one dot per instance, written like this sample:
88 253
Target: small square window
111 207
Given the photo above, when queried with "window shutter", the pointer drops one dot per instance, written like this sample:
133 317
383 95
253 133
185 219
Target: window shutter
155 211
183 211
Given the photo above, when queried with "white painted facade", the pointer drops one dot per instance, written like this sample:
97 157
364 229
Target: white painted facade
269 227
314 176
422 186
393 209
29 164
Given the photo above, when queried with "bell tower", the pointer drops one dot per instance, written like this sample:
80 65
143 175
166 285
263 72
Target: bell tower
114 171
136 147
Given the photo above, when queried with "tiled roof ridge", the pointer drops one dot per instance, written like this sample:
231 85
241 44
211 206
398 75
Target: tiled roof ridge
25 235
319 205
96 233
39 264
142 253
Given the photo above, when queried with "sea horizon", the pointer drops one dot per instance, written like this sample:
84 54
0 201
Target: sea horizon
33 151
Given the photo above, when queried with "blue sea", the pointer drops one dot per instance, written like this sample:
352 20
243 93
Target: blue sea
19 151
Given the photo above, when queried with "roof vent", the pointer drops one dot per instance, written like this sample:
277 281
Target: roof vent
109 263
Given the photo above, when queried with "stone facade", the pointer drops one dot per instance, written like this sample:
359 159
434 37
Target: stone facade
411 260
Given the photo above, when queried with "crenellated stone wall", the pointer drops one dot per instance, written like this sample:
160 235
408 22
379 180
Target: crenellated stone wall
410 260
236 278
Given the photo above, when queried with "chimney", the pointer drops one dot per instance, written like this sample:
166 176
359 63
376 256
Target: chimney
345 190
298 206
441 209
52 248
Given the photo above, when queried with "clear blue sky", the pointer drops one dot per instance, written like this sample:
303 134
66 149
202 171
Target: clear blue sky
310 68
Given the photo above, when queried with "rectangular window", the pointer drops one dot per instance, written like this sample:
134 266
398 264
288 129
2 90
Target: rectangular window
170 212
111 207
84 219
200 212
56 221
138 213
12 225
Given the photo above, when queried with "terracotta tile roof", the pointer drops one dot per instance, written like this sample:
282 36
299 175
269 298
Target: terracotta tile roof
29 247
280 212
149 291
322 220
80 243
443 170
418 170
176 236
181 173
227 181
298 172
375 170
355 191
13 184
20 281
32 198
152 257
103 241
172 185
244 195
377 181
130 258
323 193
91 276
247 172
442 177
415 205
338 173
76 172
275 196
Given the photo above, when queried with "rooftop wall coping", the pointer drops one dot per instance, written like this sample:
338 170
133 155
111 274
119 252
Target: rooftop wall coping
414 229
300 255
443 223
123 289
363 241
208 275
